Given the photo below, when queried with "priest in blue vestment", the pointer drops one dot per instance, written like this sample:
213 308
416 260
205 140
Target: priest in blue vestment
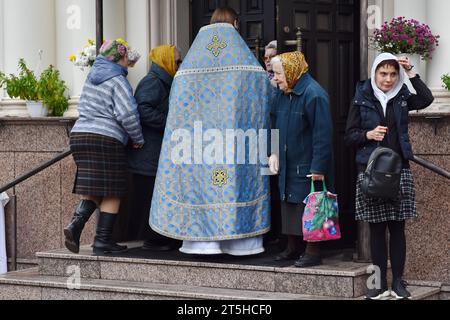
211 191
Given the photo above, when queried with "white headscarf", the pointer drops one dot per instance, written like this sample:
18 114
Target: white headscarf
383 97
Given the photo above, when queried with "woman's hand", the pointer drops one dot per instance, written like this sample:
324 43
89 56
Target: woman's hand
274 164
137 146
317 177
404 62
378 134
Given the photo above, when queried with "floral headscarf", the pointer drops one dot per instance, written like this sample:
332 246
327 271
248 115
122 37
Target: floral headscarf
294 66
133 57
114 50
164 56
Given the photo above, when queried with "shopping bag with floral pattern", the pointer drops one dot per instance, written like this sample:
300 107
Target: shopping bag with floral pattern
321 216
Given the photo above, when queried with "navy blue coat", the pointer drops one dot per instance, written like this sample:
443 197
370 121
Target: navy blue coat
152 96
366 114
304 121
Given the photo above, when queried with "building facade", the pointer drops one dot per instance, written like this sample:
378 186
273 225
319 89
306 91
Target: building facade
61 27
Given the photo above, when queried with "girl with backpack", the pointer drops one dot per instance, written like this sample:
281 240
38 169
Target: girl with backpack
379 116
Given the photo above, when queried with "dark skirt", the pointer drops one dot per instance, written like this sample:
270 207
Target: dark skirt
377 210
101 165
291 216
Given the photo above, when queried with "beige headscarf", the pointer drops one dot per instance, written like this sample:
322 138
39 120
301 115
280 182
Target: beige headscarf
294 66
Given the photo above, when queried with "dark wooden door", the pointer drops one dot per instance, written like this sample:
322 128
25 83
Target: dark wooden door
331 45
256 18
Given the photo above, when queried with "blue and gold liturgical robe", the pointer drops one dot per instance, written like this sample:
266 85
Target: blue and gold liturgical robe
220 86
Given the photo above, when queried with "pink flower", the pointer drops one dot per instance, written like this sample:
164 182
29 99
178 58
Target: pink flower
106 46
122 50
402 35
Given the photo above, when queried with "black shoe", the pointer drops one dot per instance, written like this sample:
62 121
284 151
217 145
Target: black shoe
271 242
159 245
103 243
378 294
287 255
308 260
73 231
399 291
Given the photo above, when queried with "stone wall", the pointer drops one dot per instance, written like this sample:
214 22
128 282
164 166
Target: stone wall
428 237
45 202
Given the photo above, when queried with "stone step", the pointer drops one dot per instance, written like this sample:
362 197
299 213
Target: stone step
30 285
426 290
424 293
419 293
335 278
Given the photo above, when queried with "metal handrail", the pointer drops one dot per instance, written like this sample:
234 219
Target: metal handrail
13 202
430 166
34 172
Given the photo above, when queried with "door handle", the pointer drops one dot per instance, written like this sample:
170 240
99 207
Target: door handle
297 42
290 42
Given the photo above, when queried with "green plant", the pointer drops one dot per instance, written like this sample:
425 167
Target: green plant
53 92
446 80
25 86
48 88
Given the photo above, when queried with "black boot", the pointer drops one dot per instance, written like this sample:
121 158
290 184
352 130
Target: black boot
160 245
294 248
312 256
103 243
308 260
73 231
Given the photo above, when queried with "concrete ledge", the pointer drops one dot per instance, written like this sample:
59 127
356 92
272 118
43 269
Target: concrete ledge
13 108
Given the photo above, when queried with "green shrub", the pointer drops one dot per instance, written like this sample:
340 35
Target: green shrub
446 80
53 89
24 86
49 88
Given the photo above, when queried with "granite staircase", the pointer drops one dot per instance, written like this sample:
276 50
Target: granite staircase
61 275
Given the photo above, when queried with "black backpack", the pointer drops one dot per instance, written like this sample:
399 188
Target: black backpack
383 174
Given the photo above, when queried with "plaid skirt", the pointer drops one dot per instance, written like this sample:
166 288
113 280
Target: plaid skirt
374 210
101 165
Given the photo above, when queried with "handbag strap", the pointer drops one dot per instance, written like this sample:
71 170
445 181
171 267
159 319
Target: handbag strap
313 188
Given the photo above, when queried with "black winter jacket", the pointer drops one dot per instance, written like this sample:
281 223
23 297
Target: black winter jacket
152 96
366 114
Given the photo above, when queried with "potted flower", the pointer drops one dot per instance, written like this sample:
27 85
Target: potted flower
446 81
53 92
25 86
41 95
86 57
407 38
83 61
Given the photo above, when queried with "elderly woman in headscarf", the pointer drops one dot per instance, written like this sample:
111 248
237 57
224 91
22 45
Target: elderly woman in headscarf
108 120
302 115
379 117
152 96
